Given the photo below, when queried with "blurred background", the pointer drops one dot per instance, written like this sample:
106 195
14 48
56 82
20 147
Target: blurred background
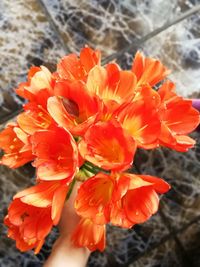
35 32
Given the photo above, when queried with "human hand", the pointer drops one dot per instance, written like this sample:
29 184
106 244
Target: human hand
64 253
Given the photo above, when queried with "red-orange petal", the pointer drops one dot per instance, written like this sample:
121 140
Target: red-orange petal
159 185
182 143
21 91
167 91
179 116
28 225
135 200
14 233
74 108
140 204
34 118
118 216
16 146
71 67
93 198
46 194
90 235
39 81
58 203
89 58
56 154
141 121
148 70
106 145
111 83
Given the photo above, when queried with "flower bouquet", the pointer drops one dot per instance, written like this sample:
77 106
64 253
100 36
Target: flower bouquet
84 122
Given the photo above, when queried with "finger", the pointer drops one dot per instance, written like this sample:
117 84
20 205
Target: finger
69 218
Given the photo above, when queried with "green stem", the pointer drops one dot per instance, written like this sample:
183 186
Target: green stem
96 168
91 165
90 169
71 188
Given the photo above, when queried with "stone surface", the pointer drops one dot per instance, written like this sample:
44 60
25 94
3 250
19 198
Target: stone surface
182 170
190 240
33 32
123 245
178 48
11 181
111 25
166 255
26 38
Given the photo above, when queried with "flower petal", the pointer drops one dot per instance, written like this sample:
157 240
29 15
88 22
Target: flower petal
159 185
105 149
40 195
72 68
140 204
56 154
58 203
141 121
118 216
148 70
28 225
111 83
90 235
74 108
16 146
89 58
94 197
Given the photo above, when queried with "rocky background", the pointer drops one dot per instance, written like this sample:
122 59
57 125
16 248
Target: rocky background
35 32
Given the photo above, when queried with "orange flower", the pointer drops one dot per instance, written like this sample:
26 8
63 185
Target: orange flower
148 70
177 117
106 145
93 198
28 225
141 200
140 118
90 235
123 199
56 154
39 85
21 244
21 91
34 118
33 212
111 83
73 68
44 195
113 86
16 146
86 118
74 108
